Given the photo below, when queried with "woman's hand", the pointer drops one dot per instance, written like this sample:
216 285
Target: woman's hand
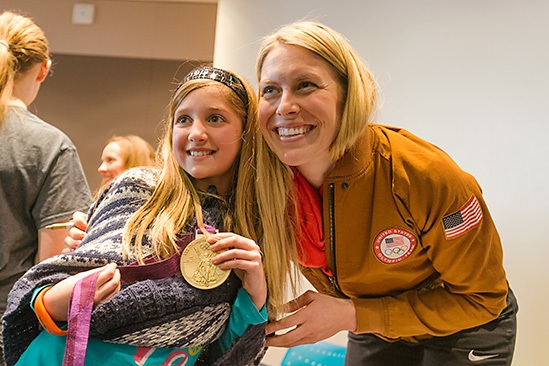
244 256
315 317
77 232
56 300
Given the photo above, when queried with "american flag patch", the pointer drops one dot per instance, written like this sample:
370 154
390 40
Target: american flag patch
393 241
467 218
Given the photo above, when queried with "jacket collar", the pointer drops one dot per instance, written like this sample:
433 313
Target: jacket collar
356 159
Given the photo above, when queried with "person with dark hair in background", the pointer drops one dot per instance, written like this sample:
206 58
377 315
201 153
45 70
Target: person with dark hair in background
41 177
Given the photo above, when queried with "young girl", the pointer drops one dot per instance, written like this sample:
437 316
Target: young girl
128 267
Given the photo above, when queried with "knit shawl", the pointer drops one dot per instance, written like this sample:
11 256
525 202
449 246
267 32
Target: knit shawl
154 313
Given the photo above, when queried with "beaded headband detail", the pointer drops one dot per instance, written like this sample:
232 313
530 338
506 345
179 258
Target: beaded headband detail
224 77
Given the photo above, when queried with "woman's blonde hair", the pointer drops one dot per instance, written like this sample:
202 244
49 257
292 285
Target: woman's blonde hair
175 200
22 45
134 151
275 189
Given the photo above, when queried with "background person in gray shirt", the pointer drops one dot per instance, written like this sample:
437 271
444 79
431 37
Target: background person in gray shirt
41 177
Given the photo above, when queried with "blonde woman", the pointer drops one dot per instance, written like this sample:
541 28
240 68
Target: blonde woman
122 153
393 234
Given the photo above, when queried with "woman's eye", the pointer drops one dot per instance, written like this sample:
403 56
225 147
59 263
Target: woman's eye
305 84
268 90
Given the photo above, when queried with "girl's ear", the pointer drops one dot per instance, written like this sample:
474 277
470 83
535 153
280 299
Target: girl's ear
44 70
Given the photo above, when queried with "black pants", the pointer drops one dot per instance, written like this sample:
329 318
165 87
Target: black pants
490 344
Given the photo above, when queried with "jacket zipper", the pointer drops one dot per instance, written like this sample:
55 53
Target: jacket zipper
331 211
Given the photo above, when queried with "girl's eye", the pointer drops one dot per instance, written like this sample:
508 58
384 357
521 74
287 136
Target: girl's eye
182 120
216 119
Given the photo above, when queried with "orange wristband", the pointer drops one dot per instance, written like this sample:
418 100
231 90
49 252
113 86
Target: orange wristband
44 317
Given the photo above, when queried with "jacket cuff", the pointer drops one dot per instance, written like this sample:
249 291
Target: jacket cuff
370 316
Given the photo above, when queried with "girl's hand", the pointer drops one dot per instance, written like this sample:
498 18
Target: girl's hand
77 232
56 300
244 256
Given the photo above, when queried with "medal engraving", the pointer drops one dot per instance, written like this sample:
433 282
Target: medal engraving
197 267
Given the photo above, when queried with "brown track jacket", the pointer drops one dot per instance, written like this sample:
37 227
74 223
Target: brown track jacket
409 239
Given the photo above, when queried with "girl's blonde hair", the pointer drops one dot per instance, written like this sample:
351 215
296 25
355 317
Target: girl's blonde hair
22 45
275 189
175 200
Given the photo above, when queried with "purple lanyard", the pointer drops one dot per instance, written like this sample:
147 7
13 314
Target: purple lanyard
81 306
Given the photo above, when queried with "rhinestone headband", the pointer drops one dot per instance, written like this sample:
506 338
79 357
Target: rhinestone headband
221 76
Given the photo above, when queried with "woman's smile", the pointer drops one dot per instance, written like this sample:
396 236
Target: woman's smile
292 131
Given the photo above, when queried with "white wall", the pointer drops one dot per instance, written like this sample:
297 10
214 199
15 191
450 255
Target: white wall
153 30
471 76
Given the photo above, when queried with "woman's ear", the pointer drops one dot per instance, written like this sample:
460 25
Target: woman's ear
44 70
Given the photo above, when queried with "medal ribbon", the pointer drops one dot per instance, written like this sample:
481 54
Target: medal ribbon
155 270
80 309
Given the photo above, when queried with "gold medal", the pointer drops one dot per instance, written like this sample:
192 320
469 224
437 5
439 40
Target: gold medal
197 267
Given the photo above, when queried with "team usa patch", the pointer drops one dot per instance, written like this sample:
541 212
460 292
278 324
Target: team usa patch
394 245
468 217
